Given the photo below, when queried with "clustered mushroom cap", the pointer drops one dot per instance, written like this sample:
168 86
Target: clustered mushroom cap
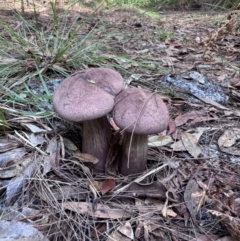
107 79
87 94
77 100
140 111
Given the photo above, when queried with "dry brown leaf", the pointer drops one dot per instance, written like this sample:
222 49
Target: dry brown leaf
155 189
117 236
190 143
213 103
7 144
169 61
178 146
195 116
99 228
69 144
155 141
190 202
96 184
171 127
200 130
126 230
85 157
139 229
166 211
33 128
101 210
159 205
36 139
52 160
14 187
107 185
16 168
113 124
66 193
182 119
229 137
233 112
8 158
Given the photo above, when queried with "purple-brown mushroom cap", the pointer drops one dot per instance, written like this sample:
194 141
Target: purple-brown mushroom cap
140 111
78 100
107 79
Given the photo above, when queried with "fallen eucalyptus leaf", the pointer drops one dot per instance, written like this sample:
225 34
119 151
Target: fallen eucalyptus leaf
190 143
33 128
14 188
229 137
10 157
101 210
85 157
155 141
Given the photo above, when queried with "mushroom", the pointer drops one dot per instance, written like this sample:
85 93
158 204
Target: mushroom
87 96
139 113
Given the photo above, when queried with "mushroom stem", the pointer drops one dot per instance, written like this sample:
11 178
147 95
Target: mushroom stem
96 140
136 155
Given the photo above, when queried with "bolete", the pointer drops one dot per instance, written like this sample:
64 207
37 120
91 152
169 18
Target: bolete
139 113
87 96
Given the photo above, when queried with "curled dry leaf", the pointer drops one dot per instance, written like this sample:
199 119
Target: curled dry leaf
101 210
171 126
213 103
8 158
85 157
154 190
17 214
126 230
33 128
229 137
65 193
113 124
15 230
139 229
190 143
195 117
155 141
51 161
15 169
7 144
36 139
190 202
14 188
69 144
107 185
160 206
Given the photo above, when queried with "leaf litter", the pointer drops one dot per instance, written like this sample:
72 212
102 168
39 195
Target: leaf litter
186 193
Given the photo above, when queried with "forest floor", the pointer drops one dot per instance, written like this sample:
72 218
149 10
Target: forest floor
191 187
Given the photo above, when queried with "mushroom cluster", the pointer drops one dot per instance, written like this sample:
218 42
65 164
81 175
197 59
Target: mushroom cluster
88 95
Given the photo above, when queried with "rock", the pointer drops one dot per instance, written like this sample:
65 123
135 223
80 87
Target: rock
196 84
19 231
